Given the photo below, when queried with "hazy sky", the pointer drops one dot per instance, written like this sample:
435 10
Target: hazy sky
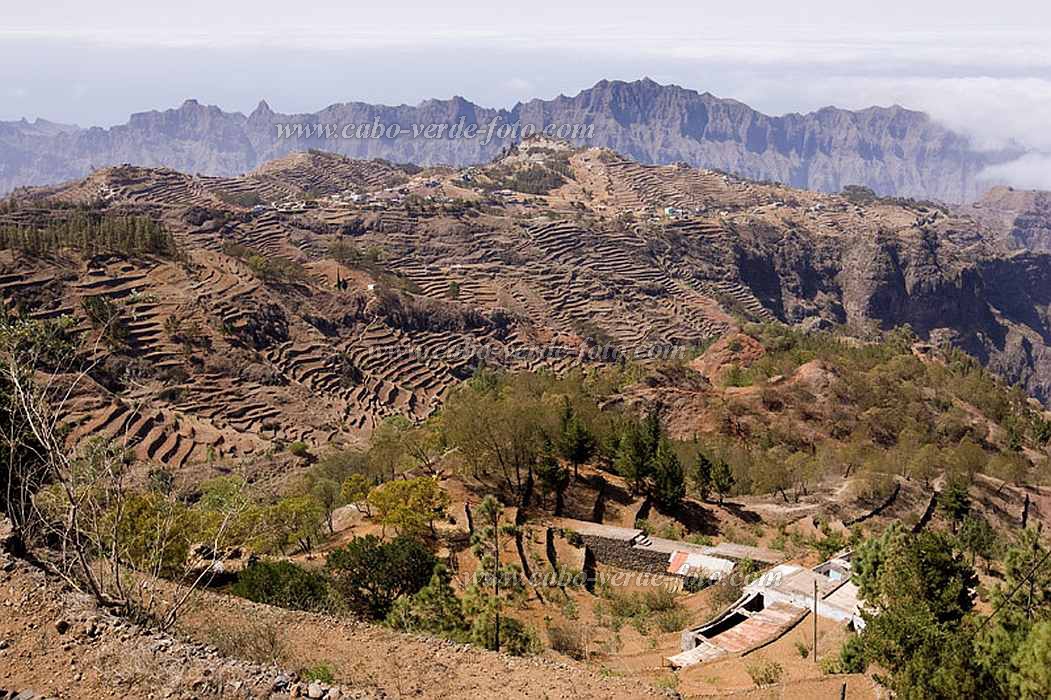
983 68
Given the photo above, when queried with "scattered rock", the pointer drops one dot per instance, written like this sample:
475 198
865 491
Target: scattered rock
817 323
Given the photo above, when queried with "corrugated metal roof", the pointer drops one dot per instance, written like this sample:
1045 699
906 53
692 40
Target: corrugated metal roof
686 563
742 551
699 654
758 627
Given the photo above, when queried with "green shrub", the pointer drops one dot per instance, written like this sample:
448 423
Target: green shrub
241 199
659 600
515 638
764 672
262 642
725 592
322 673
671 531
737 377
370 574
268 269
671 620
105 315
567 639
831 544
283 584
642 609
534 179
434 609
851 658
669 681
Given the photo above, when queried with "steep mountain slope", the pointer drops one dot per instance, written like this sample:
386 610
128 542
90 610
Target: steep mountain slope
892 150
1022 217
314 298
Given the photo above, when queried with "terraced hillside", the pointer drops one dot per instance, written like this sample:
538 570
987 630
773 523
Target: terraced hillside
318 296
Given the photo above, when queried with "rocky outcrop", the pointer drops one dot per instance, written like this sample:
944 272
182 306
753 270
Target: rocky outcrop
892 150
1022 218
993 304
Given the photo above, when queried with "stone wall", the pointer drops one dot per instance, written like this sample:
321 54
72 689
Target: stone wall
621 554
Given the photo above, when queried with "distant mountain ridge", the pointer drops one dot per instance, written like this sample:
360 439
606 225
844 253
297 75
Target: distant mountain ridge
894 151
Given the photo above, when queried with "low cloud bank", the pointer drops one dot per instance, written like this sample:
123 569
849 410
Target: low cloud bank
1032 172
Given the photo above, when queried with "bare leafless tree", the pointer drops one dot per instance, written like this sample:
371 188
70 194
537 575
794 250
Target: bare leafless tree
73 505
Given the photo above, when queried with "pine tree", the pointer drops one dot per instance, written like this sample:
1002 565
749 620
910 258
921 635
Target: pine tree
576 444
918 593
955 502
1031 679
633 458
553 475
722 479
669 482
977 538
702 475
434 609
651 430
494 583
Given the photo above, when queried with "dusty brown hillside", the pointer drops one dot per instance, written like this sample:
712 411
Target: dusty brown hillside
312 299
58 644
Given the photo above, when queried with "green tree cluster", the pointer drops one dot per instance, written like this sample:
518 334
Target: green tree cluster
922 629
710 474
410 506
649 463
92 233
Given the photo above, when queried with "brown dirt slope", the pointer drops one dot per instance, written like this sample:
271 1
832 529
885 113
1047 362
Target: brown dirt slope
259 337
58 644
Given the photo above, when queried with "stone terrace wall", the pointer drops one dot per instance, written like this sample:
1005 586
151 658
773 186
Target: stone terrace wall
621 554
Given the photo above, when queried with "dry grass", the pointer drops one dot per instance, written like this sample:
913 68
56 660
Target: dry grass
259 641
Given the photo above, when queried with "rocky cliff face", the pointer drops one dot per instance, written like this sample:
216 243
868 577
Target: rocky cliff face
892 150
947 282
1021 218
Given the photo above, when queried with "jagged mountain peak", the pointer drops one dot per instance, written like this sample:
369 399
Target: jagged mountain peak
262 109
892 150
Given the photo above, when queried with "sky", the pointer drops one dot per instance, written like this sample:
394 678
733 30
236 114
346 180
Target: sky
981 68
